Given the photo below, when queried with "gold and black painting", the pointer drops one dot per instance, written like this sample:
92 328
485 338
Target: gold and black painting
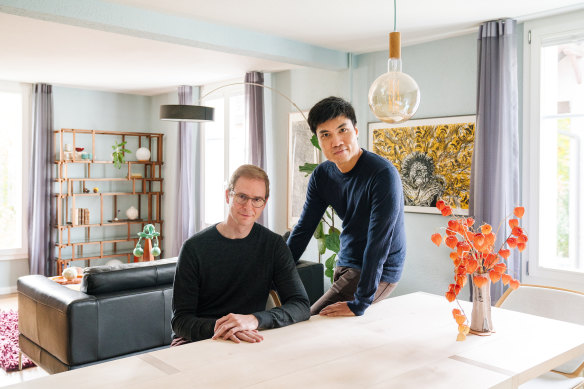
433 157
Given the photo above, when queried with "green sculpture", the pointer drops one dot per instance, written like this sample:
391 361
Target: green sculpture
148 233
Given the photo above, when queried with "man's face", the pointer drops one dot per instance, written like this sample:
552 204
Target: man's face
338 140
245 214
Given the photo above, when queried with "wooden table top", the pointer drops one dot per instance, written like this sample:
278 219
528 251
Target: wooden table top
403 342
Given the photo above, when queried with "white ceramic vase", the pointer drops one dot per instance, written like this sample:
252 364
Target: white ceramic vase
132 213
143 154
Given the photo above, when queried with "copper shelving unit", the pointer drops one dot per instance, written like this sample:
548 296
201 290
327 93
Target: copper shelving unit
69 189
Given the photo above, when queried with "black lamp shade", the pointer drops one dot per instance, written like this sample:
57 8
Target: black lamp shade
186 113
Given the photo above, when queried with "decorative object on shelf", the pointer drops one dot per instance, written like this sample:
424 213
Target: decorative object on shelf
69 273
85 190
474 255
132 213
394 96
96 190
68 147
148 252
79 149
68 155
142 154
116 218
119 153
136 175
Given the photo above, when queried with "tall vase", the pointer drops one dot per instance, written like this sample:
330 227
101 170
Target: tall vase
481 323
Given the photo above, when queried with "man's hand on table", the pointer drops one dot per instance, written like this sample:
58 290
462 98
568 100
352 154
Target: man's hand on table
237 328
337 309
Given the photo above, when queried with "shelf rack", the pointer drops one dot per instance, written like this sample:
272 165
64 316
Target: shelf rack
148 183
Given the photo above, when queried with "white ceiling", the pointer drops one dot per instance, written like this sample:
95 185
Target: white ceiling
35 49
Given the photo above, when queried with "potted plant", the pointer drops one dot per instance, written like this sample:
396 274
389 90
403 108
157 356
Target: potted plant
118 155
331 238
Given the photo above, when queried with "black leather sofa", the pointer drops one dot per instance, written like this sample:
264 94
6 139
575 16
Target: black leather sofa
118 311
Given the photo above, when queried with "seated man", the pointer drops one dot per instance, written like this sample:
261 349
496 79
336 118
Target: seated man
224 273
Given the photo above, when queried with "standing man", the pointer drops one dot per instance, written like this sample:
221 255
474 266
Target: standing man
366 192
225 272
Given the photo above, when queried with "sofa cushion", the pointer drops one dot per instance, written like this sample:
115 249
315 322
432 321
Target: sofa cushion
107 279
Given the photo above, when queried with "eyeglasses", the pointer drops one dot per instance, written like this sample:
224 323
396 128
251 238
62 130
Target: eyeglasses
242 198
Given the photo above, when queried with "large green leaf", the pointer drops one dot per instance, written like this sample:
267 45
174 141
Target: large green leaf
329 273
319 232
321 246
314 141
307 168
330 262
333 241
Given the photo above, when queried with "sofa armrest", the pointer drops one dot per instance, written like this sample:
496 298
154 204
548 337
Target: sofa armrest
312 276
57 318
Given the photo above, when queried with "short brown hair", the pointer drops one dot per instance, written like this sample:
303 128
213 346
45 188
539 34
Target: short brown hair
250 171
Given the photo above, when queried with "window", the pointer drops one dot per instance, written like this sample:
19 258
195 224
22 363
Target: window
224 147
14 111
554 150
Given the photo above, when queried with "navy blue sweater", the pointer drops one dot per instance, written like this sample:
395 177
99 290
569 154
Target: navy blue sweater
369 200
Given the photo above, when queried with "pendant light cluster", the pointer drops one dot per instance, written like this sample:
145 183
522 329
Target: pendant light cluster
394 96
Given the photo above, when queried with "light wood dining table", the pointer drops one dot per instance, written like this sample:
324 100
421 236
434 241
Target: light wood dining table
407 341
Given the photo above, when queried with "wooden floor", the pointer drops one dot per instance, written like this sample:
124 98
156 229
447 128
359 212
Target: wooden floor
8 302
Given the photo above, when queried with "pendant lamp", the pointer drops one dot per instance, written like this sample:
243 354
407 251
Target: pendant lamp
394 96
201 113
186 113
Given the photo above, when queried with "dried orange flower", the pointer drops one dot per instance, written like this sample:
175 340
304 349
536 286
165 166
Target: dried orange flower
473 254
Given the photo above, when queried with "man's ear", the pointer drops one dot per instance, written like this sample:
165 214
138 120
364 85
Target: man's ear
227 195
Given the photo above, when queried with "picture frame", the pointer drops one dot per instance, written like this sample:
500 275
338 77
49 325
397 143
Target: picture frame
433 157
300 151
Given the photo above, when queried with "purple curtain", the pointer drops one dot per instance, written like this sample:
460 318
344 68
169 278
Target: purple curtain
41 205
254 103
494 188
185 197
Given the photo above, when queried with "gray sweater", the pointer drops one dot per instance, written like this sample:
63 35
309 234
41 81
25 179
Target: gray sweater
216 276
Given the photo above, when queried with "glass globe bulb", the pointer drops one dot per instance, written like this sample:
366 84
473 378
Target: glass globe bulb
394 96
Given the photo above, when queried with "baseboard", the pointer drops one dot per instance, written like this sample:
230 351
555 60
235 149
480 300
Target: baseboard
8 290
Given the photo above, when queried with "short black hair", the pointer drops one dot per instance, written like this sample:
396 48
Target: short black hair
330 108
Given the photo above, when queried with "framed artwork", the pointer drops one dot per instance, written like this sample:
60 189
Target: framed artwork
300 151
433 157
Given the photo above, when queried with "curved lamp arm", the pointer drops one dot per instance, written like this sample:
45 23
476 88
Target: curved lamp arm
201 113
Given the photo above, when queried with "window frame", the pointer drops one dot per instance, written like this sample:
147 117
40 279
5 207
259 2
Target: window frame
226 91
26 94
537 34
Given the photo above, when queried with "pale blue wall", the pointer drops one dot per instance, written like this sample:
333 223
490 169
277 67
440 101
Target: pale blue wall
445 71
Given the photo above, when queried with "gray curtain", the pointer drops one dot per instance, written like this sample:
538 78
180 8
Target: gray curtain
494 188
185 195
41 205
254 103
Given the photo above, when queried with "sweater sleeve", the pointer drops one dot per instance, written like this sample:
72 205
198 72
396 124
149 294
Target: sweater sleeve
295 305
185 322
386 196
312 212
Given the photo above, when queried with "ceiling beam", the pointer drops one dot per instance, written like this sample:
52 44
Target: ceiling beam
147 24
